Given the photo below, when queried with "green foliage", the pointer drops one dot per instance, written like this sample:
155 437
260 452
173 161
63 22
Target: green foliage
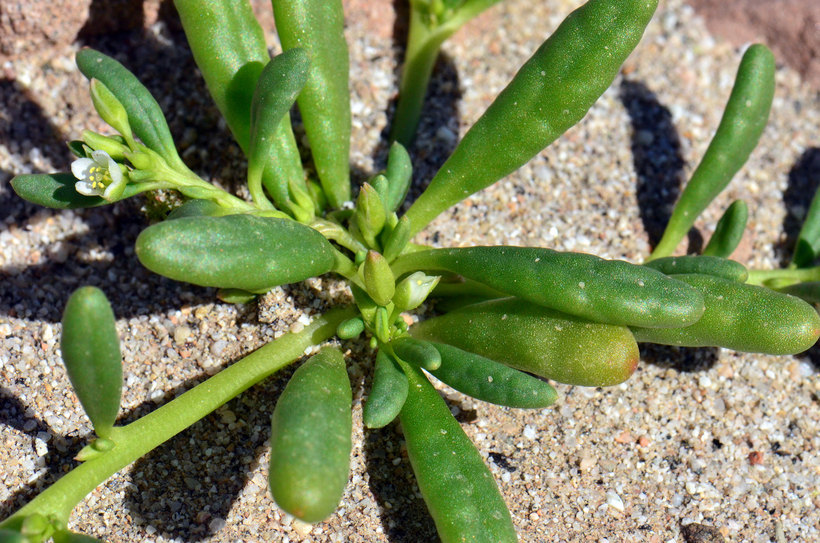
568 317
387 394
144 114
744 119
487 380
538 340
318 27
91 353
310 438
54 190
459 490
235 251
702 264
743 318
610 291
552 92
728 231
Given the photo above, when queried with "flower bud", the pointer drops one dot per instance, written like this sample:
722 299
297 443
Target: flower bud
413 290
378 278
110 109
115 148
370 215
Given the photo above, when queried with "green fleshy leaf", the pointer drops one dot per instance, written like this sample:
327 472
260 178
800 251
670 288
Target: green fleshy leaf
279 84
54 190
144 114
91 353
236 251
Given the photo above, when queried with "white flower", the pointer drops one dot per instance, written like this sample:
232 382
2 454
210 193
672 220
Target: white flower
98 176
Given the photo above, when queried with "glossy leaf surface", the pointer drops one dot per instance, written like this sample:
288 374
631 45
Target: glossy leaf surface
552 91
310 438
387 393
459 490
489 381
610 291
91 354
54 190
144 114
743 121
706 265
537 340
236 251
744 318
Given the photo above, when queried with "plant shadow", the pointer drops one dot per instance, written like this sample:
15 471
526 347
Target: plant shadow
656 154
205 468
404 515
681 359
803 184
59 458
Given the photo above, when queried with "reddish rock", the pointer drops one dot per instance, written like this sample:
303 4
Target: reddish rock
26 25
790 27
756 458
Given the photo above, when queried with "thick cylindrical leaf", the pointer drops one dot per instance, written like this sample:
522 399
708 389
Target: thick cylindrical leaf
91 353
538 340
387 393
318 27
610 291
230 28
706 265
552 91
276 90
311 438
417 352
809 291
744 318
236 251
144 114
743 121
399 175
807 247
728 231
457 487
489 381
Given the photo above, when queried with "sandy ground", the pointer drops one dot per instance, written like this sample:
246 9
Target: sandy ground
704 436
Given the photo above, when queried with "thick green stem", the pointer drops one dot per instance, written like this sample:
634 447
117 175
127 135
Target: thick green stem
783 277
141 436
423 44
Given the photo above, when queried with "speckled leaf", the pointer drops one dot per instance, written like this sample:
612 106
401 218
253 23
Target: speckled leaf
144 114
311 438
236 251
54 190
91 353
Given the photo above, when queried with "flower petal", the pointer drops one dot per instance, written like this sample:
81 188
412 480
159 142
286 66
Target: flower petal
114 190
85 188
101 158
79 168
114 171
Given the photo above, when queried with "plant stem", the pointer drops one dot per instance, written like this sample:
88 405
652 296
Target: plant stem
143 435
423 44
784 276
